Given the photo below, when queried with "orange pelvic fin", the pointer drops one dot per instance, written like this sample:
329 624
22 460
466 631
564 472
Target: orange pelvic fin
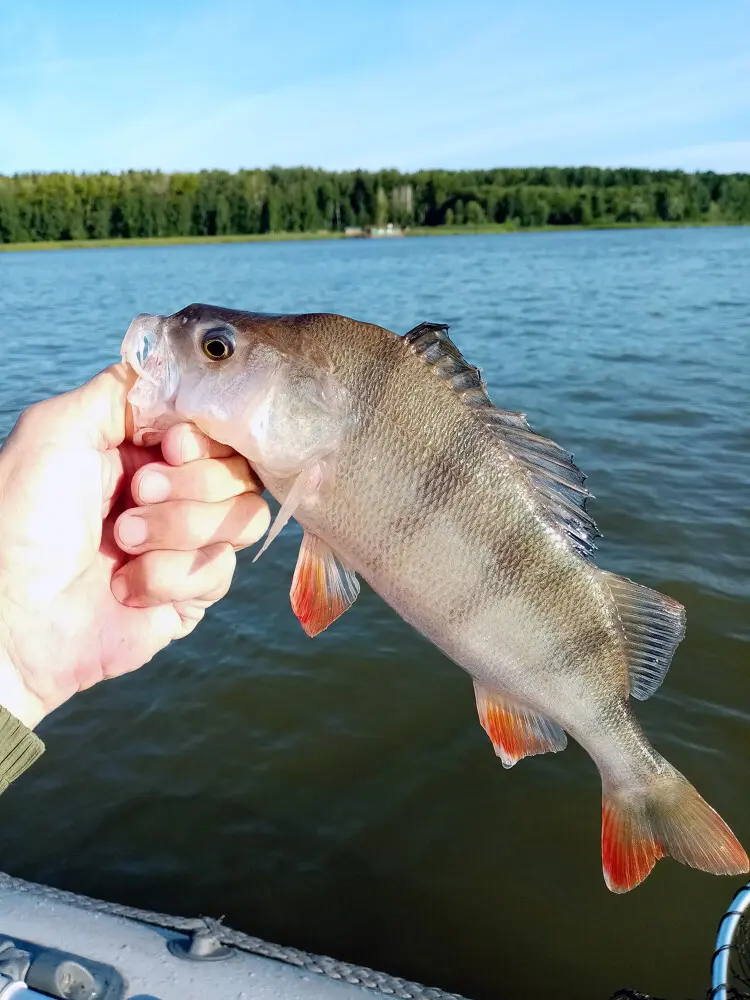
322 587
515 731
670 818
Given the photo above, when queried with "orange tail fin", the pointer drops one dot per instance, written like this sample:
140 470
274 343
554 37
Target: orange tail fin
668 818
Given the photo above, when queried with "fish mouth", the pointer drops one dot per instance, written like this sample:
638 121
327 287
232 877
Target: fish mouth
147 350
140 343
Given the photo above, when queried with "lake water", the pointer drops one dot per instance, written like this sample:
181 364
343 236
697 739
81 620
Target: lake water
338 794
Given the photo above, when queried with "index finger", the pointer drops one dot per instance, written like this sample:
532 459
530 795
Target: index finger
184 443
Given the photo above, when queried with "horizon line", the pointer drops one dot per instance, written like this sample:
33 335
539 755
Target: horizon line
379 170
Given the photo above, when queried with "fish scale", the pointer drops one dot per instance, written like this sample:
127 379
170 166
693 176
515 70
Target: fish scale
389 452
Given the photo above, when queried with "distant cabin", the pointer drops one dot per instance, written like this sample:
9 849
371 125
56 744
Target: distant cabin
373 232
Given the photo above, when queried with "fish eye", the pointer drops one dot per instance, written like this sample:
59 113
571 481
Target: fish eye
218 345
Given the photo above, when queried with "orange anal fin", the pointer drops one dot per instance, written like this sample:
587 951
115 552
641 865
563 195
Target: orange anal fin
516 731
323 587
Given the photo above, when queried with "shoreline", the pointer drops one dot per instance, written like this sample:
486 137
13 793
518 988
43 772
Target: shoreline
417 231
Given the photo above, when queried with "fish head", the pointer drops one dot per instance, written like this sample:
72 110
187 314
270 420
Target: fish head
260 383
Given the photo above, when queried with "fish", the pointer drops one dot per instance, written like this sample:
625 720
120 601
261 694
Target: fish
388 451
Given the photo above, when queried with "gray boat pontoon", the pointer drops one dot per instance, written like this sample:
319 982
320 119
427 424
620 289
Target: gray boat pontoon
56 944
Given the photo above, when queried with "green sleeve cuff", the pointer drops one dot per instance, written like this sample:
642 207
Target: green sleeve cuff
19 748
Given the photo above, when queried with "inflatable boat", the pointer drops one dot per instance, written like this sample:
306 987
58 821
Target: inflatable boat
59 945
56 944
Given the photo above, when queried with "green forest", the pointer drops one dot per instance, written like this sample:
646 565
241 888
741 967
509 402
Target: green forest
66 206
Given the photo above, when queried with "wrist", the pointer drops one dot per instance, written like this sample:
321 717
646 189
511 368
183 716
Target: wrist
15 697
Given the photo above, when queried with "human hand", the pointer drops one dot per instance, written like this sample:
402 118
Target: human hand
108 551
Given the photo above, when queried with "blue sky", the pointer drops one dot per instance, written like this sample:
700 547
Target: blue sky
188 84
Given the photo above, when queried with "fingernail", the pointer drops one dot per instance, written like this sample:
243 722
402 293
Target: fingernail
154 487
120 588
132 531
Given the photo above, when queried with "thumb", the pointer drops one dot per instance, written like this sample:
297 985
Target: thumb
97 412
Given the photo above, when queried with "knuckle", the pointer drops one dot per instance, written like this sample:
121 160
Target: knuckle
226 565
138 578
194 522
238 467
217 570
156 578
178 524
31 416
218 482
191 614
225 478
194 481
259 519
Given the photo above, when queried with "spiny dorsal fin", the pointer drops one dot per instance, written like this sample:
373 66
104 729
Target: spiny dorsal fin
550 468
654 626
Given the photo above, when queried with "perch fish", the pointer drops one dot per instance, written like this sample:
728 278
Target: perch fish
389 453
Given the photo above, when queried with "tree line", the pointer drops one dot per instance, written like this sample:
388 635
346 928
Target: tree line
67 206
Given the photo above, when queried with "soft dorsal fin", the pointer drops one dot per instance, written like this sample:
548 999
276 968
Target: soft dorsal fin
550 468
654 626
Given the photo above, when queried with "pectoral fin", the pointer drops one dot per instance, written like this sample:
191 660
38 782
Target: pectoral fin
322 587
306 484
516 732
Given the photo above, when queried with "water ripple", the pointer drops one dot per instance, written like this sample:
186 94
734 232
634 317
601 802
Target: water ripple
339 794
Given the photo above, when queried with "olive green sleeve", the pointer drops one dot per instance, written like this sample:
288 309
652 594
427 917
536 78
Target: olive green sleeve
19 748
